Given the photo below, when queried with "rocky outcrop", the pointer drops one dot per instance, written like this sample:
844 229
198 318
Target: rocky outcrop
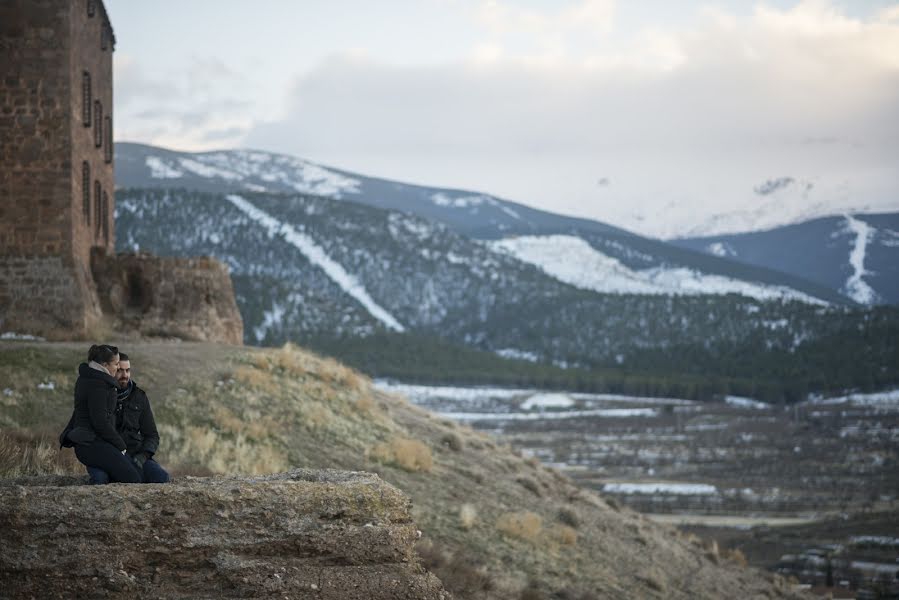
335 535
187 298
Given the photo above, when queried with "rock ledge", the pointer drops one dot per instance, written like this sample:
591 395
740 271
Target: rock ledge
303 534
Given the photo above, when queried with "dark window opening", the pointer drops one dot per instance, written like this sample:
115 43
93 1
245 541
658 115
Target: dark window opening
97 207
91 8
86 98
140 290
98 124
104 37
86 190
105 218
107 149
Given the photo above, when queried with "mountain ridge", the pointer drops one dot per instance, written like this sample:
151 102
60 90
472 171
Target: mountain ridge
475 215
854 252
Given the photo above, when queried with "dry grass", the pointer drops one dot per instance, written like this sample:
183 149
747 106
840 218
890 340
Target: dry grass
568 517
451 440
523 525
654 579
530 485
711 552
408 454
23 453
336 374
735 556
316 415
292 361
562 535
468 516
255 378
365 404
193 447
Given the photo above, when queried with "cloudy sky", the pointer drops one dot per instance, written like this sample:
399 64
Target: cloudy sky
663 117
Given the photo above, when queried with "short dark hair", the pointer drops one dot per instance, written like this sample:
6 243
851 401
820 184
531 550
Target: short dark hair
101 353
123 356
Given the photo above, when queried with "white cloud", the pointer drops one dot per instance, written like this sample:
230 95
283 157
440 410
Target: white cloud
203 105
685 118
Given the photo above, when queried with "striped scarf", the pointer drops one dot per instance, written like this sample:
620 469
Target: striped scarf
124 393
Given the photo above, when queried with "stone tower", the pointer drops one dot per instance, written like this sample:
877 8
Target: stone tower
56 163
60 277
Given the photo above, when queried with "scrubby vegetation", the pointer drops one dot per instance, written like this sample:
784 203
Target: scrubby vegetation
243 410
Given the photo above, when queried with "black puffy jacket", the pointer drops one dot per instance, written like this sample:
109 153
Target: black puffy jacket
94 414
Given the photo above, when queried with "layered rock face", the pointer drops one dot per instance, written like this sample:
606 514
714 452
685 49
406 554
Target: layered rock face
335 535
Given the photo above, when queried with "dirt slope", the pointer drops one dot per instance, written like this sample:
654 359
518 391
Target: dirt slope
495 525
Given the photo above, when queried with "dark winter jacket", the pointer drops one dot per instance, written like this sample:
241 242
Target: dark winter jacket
94 414
135 423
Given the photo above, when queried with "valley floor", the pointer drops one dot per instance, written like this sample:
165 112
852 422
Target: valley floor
770 481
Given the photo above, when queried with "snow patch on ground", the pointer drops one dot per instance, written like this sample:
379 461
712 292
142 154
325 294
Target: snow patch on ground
544 401
888 398
12 335
204 170
555 415
572 260
873 540
515 354
510 212
462 395
680 489
270 318
721 249
254 169
161 170
742 402
856 287
317 256
49 385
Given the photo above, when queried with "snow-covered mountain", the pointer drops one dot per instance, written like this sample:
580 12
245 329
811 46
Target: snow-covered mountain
767 203
853 254
627 263
308 267
572 260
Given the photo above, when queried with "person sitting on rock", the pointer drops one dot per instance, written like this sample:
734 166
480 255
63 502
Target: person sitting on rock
135 423
91 429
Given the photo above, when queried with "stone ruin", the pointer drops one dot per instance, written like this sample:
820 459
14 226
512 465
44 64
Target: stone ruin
59 275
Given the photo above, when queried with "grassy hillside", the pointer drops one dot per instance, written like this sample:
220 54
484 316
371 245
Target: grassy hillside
495 525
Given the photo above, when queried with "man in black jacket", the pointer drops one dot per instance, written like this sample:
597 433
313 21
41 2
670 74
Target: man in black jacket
135 423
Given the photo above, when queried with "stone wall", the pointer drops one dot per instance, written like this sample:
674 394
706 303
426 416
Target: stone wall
187 298
90 32
57 201
41 217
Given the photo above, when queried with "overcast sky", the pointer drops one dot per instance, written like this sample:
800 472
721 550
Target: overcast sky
659 116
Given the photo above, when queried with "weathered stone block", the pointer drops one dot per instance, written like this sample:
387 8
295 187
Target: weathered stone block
306 533
178 297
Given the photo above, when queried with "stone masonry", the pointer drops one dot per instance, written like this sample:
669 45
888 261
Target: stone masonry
57 202
48 133
186 298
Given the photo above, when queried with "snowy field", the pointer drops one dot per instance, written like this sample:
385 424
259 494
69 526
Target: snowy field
737 457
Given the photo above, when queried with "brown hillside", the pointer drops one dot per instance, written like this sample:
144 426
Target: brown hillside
494 524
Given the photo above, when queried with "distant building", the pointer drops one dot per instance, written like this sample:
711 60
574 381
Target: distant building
59 275
56 161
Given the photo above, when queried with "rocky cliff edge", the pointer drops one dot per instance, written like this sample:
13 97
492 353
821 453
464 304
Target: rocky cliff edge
303 534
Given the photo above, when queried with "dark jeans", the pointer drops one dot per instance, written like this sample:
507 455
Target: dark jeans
102 455
152 472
